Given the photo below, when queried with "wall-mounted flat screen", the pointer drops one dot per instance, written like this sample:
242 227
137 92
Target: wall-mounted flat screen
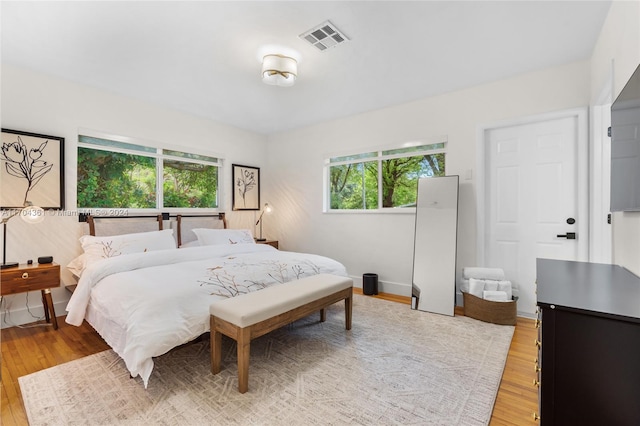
625 147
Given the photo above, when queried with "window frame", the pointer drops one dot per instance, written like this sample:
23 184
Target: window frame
159 156
379 157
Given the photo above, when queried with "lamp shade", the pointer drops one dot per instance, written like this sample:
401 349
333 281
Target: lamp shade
32 214
279 70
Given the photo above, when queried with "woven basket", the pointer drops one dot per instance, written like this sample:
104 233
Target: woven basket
503 313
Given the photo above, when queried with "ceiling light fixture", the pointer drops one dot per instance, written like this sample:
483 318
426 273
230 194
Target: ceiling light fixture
279 70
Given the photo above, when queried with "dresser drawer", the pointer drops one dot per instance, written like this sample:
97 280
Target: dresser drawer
30 278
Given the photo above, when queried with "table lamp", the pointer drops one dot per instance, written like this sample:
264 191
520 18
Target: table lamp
267 209
30 214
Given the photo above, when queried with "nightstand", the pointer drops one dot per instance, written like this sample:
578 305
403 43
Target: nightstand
24 278
273 243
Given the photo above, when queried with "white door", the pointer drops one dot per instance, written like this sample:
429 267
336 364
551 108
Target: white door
600 186
532 200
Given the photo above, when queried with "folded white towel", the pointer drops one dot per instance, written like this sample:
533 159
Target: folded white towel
495 274
491 285
476 287
506 287
495 296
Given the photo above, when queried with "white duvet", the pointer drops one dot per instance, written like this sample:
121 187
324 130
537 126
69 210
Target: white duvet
160 299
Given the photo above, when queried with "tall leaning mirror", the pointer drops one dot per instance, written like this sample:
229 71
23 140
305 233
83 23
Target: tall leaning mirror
434 254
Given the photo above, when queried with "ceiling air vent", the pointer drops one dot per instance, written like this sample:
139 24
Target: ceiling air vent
324 36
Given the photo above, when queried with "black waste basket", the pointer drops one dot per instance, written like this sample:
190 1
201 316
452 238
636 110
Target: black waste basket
370 284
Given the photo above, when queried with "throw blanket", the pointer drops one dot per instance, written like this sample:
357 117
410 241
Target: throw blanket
160 299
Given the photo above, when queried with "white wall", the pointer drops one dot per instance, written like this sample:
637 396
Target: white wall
42 104
383 243
292 172
619 45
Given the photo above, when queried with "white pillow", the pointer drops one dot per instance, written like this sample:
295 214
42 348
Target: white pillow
77 265
211 237
98 248
194 243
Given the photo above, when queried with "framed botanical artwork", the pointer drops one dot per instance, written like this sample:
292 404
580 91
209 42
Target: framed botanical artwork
246 187
32 170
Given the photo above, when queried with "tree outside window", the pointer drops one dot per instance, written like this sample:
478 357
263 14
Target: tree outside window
390 181
115 180
189 185
113 174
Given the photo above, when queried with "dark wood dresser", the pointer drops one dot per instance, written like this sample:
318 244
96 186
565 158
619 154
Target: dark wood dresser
589 344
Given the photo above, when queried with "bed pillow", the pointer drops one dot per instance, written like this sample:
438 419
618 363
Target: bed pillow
211 237
194 243
77 265
98 248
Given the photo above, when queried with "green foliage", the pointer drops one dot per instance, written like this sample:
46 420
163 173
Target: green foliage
355 185
189 185
109 179
116 180
400 177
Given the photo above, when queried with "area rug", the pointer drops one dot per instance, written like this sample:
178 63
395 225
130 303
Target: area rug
396 366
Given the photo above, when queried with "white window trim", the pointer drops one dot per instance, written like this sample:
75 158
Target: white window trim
159 156
326 204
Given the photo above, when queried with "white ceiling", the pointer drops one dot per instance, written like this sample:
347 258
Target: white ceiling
202 57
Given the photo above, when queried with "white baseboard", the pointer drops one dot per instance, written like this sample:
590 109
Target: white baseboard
22 315
390 287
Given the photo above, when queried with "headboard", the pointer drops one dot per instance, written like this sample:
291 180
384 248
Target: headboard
119 225
185 224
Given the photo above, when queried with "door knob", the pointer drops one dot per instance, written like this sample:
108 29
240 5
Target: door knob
568 236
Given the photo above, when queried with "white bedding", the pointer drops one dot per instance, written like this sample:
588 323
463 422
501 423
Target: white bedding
145 304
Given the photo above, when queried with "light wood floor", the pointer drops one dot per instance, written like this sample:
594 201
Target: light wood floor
27 350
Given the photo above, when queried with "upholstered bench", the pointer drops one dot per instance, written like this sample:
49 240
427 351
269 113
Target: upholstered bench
252 315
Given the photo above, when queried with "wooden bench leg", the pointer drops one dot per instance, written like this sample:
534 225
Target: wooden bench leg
216 349
244 349
244 335
348 304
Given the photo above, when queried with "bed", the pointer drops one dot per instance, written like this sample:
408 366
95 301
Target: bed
145 296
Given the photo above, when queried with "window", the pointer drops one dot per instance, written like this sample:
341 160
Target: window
382 179
117 174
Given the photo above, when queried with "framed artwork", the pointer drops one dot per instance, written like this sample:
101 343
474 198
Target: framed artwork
32 170
246 187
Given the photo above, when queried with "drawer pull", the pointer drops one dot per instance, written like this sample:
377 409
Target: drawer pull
25 275
536 417
538 344
536 382
537 323
537 369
